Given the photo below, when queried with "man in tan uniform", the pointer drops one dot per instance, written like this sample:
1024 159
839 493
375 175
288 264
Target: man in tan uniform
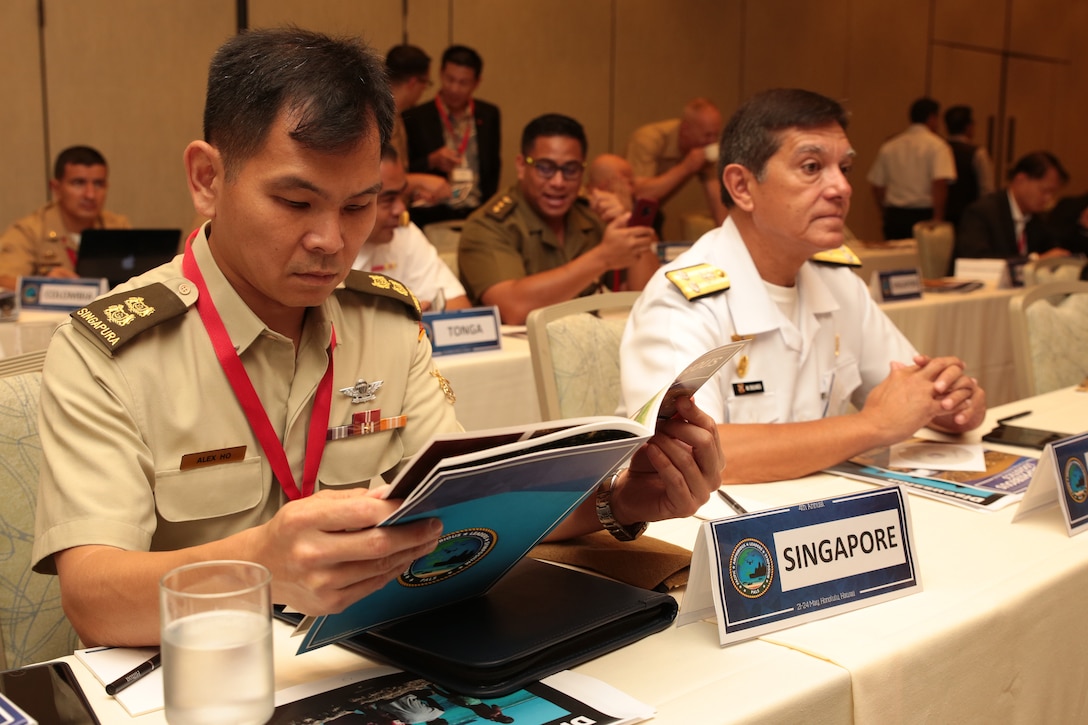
151 461
46 242
539 243
665 155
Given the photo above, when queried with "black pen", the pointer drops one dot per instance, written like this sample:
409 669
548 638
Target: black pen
732 502
1002 421
137 674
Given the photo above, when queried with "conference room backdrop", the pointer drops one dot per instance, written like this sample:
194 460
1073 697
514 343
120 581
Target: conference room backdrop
127 76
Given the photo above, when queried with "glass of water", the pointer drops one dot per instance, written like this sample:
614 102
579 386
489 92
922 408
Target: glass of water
217 643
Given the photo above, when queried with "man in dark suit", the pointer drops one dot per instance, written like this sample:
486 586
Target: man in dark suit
456 136
1007 223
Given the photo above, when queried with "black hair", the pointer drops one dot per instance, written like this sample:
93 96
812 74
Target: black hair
78 155
406 61
753 134
922 109
334 87
552 124
1036 164
957 119
463 55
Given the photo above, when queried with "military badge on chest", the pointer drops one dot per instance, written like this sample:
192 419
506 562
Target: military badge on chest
364 422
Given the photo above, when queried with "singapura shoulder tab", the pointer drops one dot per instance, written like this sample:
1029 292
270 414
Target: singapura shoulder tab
502 208
842 257
379 284
113 321
699 280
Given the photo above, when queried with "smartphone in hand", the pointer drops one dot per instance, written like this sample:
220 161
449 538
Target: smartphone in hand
643 213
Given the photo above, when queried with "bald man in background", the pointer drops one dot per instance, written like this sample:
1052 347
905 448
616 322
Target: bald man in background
667 154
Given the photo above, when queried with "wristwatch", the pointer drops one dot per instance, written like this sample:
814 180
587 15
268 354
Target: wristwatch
608 521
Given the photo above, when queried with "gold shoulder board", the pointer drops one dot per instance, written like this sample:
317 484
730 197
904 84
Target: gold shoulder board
502 208
699 280
114 320
378 284
843 257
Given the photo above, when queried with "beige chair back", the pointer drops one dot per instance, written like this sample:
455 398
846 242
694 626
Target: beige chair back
1049 336
575 349
28 362
32 624
1053 269
445 237
935 245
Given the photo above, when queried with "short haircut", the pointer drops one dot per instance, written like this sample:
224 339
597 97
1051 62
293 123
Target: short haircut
78 155
403 62
753 134
463 55
957 119
1036 164
922 109
335 86
552 124
389 152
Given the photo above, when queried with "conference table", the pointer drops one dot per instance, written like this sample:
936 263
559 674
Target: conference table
889 256
994 635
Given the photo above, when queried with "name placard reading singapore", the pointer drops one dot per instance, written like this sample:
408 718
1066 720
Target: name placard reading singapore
476 328
1062 473
769 570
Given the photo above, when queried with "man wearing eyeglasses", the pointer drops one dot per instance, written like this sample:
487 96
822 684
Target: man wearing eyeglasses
538 243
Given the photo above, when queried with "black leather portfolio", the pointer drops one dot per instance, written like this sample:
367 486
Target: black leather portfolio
538 619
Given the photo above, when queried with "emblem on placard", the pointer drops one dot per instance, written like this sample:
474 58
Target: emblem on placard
456 552
1076 480
362 391
751 568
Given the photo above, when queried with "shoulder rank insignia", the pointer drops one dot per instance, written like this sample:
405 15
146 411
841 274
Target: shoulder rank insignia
502 208
114 320
699 280
843 257
379 284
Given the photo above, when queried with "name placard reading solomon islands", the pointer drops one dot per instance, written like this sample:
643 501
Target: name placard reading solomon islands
765 571
476 328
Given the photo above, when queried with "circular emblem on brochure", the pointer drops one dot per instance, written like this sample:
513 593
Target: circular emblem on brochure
751 569
1076 480
456 552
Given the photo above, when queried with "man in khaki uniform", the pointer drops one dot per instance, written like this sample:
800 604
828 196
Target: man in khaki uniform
46 242
213 407
539 243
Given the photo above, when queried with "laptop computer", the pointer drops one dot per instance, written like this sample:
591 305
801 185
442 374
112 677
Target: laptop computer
118 254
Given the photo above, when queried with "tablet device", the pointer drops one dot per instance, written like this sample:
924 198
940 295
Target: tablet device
49 693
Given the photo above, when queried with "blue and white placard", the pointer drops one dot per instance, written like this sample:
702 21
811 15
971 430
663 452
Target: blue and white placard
897 284
62 295
1062 474
476 328
765 571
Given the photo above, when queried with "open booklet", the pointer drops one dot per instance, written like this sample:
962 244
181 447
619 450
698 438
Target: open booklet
1004 481
498 493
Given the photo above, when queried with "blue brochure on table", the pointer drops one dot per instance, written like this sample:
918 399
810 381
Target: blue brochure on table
498 493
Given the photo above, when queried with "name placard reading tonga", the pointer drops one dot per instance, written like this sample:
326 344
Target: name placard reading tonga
476 328
1062 474
769 570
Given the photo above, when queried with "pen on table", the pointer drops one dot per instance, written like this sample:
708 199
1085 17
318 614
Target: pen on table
1013 417
732 502
140 672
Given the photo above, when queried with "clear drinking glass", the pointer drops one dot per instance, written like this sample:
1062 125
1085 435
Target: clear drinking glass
217 643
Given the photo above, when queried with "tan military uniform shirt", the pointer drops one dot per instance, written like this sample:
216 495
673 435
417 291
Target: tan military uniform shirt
118 425
39 242
505 239
654 148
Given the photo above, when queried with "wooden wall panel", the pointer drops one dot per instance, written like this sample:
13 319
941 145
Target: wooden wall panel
25 168
536 60
128 77
378 22
795 45
980 23
886 71
428 26
666 55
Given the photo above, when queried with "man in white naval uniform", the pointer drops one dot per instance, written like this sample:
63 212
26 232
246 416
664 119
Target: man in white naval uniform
817 340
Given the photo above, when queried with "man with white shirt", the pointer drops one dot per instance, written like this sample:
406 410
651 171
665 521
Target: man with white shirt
911 174
769 275
397 248
1006 223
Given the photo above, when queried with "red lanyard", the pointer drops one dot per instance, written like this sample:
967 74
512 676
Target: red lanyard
444 114
251 403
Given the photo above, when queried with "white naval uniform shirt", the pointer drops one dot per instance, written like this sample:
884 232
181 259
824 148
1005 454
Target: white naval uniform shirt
840 350
410 258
